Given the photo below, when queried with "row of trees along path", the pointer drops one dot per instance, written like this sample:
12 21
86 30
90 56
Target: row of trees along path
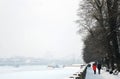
100 21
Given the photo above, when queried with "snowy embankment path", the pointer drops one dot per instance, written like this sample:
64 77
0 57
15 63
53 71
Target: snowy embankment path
103 75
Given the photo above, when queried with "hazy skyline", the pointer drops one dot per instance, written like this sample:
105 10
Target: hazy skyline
39 28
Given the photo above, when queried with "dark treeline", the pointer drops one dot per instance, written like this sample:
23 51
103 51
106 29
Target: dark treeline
101 20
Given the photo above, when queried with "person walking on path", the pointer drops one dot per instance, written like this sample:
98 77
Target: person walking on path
99 67
94 68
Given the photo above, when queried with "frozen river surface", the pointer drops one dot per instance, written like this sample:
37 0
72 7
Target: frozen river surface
36 72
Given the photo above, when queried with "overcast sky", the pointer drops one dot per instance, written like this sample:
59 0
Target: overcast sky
39 28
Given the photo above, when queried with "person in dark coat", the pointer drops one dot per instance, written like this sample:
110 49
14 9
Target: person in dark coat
99 67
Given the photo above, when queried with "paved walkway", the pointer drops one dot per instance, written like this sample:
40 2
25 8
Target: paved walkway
103 75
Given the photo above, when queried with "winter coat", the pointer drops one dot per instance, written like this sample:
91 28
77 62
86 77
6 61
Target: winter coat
99 66
94 67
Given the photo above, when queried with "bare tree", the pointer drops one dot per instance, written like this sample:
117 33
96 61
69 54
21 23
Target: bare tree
101 16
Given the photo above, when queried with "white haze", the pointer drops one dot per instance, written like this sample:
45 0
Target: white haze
39 28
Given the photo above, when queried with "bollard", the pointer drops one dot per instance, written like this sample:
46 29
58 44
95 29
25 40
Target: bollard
77 77
71 77
75 74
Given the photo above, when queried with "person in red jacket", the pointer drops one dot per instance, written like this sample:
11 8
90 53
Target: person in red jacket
94 68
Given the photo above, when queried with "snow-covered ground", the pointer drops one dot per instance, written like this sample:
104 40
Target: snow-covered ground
37 72
43 72
103 75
